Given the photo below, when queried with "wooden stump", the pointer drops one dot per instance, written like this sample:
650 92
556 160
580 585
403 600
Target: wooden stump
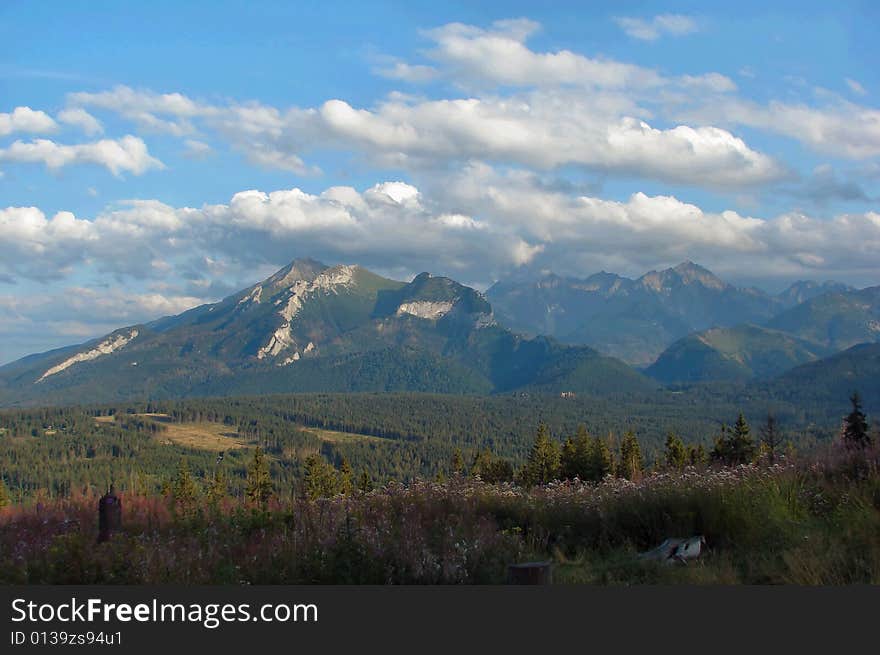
109 515
530 573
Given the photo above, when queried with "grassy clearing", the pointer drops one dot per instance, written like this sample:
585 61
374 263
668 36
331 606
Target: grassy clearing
203 436
332 436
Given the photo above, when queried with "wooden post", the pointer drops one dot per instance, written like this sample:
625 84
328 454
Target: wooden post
109 515
530 573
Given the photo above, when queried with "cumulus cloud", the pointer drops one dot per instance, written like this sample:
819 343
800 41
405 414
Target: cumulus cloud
79 117
580 234
653 28
839 128
25 119
499 56
126 155
542 128
146 108
544 131
512 220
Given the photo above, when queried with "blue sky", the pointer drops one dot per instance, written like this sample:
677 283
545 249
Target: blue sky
154 156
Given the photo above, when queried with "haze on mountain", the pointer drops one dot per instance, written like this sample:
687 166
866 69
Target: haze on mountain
636 320
311 327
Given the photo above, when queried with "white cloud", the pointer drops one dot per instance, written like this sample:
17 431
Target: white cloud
662 25
400 70
25 119
855 87
499 55
71 314
839 128
79 117
543 128
544 131
146 108
126 155
195 149
512 220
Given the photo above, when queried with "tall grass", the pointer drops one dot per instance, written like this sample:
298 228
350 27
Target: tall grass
817 522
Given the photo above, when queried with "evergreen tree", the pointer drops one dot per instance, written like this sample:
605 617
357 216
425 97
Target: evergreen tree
184 489
743 445
771 440
543 464
457 461
568 459
482 463
735 446
498 471
346 477
630 457
320 479
259 484
217 488
855 425
602 460
4 495
577 458
365 482
696 455
675 455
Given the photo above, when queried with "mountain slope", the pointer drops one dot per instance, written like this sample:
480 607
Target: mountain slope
634 320
837 319
804 290
310 327
732 354
831 380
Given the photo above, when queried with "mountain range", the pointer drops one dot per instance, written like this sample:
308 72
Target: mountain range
637 319
313 327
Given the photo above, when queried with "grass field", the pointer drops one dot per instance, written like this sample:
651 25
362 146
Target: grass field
333 436
205 435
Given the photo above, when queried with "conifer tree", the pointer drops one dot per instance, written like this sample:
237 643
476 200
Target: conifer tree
771 440
482 463
4 495
601 458
743 447
568 459
346 477
320 479
365 482
630 457
543 464
578 457
259 484
217 488
735 446
675 454
697 455
855 425
184 489
457 461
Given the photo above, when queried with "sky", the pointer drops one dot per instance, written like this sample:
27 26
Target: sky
156 156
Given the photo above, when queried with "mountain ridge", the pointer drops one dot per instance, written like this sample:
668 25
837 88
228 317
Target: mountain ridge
312 327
